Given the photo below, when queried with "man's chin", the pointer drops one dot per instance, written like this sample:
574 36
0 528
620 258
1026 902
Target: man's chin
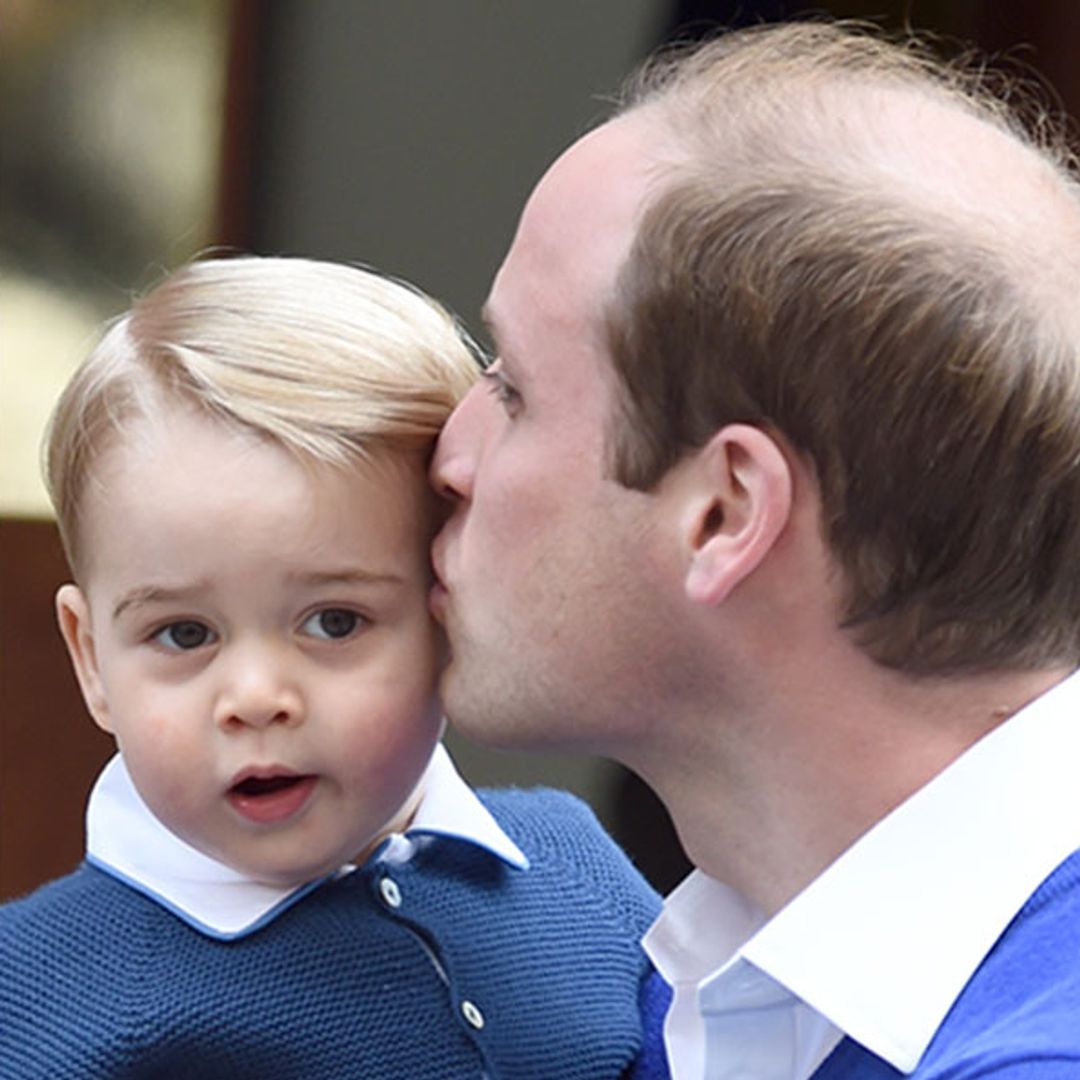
454 694
489 714
470 713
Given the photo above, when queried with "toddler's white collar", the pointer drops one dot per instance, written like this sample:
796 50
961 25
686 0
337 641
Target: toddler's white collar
125 839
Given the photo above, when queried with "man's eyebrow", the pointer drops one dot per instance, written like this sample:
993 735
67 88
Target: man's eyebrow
491 324
495 333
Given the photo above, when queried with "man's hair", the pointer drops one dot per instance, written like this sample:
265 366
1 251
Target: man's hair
335 363
867 253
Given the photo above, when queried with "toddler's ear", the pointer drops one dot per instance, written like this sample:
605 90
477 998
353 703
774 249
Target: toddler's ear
73 615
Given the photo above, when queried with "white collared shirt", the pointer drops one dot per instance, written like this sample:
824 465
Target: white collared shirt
125 839
881 944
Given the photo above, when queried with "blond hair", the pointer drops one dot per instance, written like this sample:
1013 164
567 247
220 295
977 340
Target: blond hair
868 253
336 363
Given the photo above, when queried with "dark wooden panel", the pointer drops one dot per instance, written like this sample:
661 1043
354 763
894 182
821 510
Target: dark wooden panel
50 750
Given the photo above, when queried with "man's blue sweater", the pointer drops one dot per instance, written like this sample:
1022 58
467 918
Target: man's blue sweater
478 971
1019 1016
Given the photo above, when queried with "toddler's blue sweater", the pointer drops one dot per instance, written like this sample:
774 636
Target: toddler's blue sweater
479 970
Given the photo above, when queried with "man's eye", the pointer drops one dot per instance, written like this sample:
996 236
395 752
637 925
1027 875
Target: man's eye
184 635
332 624
504 393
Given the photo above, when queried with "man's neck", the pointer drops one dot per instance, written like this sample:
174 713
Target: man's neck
767 810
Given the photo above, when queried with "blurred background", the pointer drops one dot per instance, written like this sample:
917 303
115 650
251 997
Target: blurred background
135 134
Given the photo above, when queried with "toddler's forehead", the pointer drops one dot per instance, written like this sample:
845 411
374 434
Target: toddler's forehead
179 478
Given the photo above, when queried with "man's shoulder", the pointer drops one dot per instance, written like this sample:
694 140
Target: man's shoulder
1036 959
1021 1006
1017 1017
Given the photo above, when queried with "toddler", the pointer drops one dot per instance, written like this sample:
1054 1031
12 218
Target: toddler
285 877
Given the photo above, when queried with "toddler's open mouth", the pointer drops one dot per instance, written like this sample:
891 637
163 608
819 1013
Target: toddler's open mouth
271 797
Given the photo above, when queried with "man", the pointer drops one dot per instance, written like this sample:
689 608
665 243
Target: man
773 495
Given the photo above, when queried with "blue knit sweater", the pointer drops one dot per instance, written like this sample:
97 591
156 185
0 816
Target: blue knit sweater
1019 1016
481 971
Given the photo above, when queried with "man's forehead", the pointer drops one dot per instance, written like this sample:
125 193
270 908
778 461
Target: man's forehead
578 224
605 172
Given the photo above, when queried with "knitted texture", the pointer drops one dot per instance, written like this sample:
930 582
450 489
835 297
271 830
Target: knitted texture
655 1001
1018 1018
480 970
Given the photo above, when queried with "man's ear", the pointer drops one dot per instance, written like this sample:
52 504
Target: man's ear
743 500
73 615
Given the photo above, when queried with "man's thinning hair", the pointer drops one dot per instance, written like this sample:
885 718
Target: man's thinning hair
866 253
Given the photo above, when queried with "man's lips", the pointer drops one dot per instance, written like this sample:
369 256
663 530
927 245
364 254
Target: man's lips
270 795
438 559
437 595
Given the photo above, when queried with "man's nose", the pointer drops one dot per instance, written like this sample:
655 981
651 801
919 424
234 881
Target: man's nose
454 465
258 690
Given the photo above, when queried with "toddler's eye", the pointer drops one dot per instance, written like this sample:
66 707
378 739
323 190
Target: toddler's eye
332 624
184 635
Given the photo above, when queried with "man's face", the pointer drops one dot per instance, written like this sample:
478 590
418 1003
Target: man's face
546 564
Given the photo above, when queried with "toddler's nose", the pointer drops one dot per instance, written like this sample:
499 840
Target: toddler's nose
258 691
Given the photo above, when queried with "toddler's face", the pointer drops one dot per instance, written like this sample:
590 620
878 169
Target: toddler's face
255 633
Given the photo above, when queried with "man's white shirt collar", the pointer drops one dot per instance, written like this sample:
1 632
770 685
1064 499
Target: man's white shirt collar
881 944
125 839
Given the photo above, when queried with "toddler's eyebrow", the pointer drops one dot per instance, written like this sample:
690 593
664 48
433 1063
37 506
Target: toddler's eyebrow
152 594
163 594
347 577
